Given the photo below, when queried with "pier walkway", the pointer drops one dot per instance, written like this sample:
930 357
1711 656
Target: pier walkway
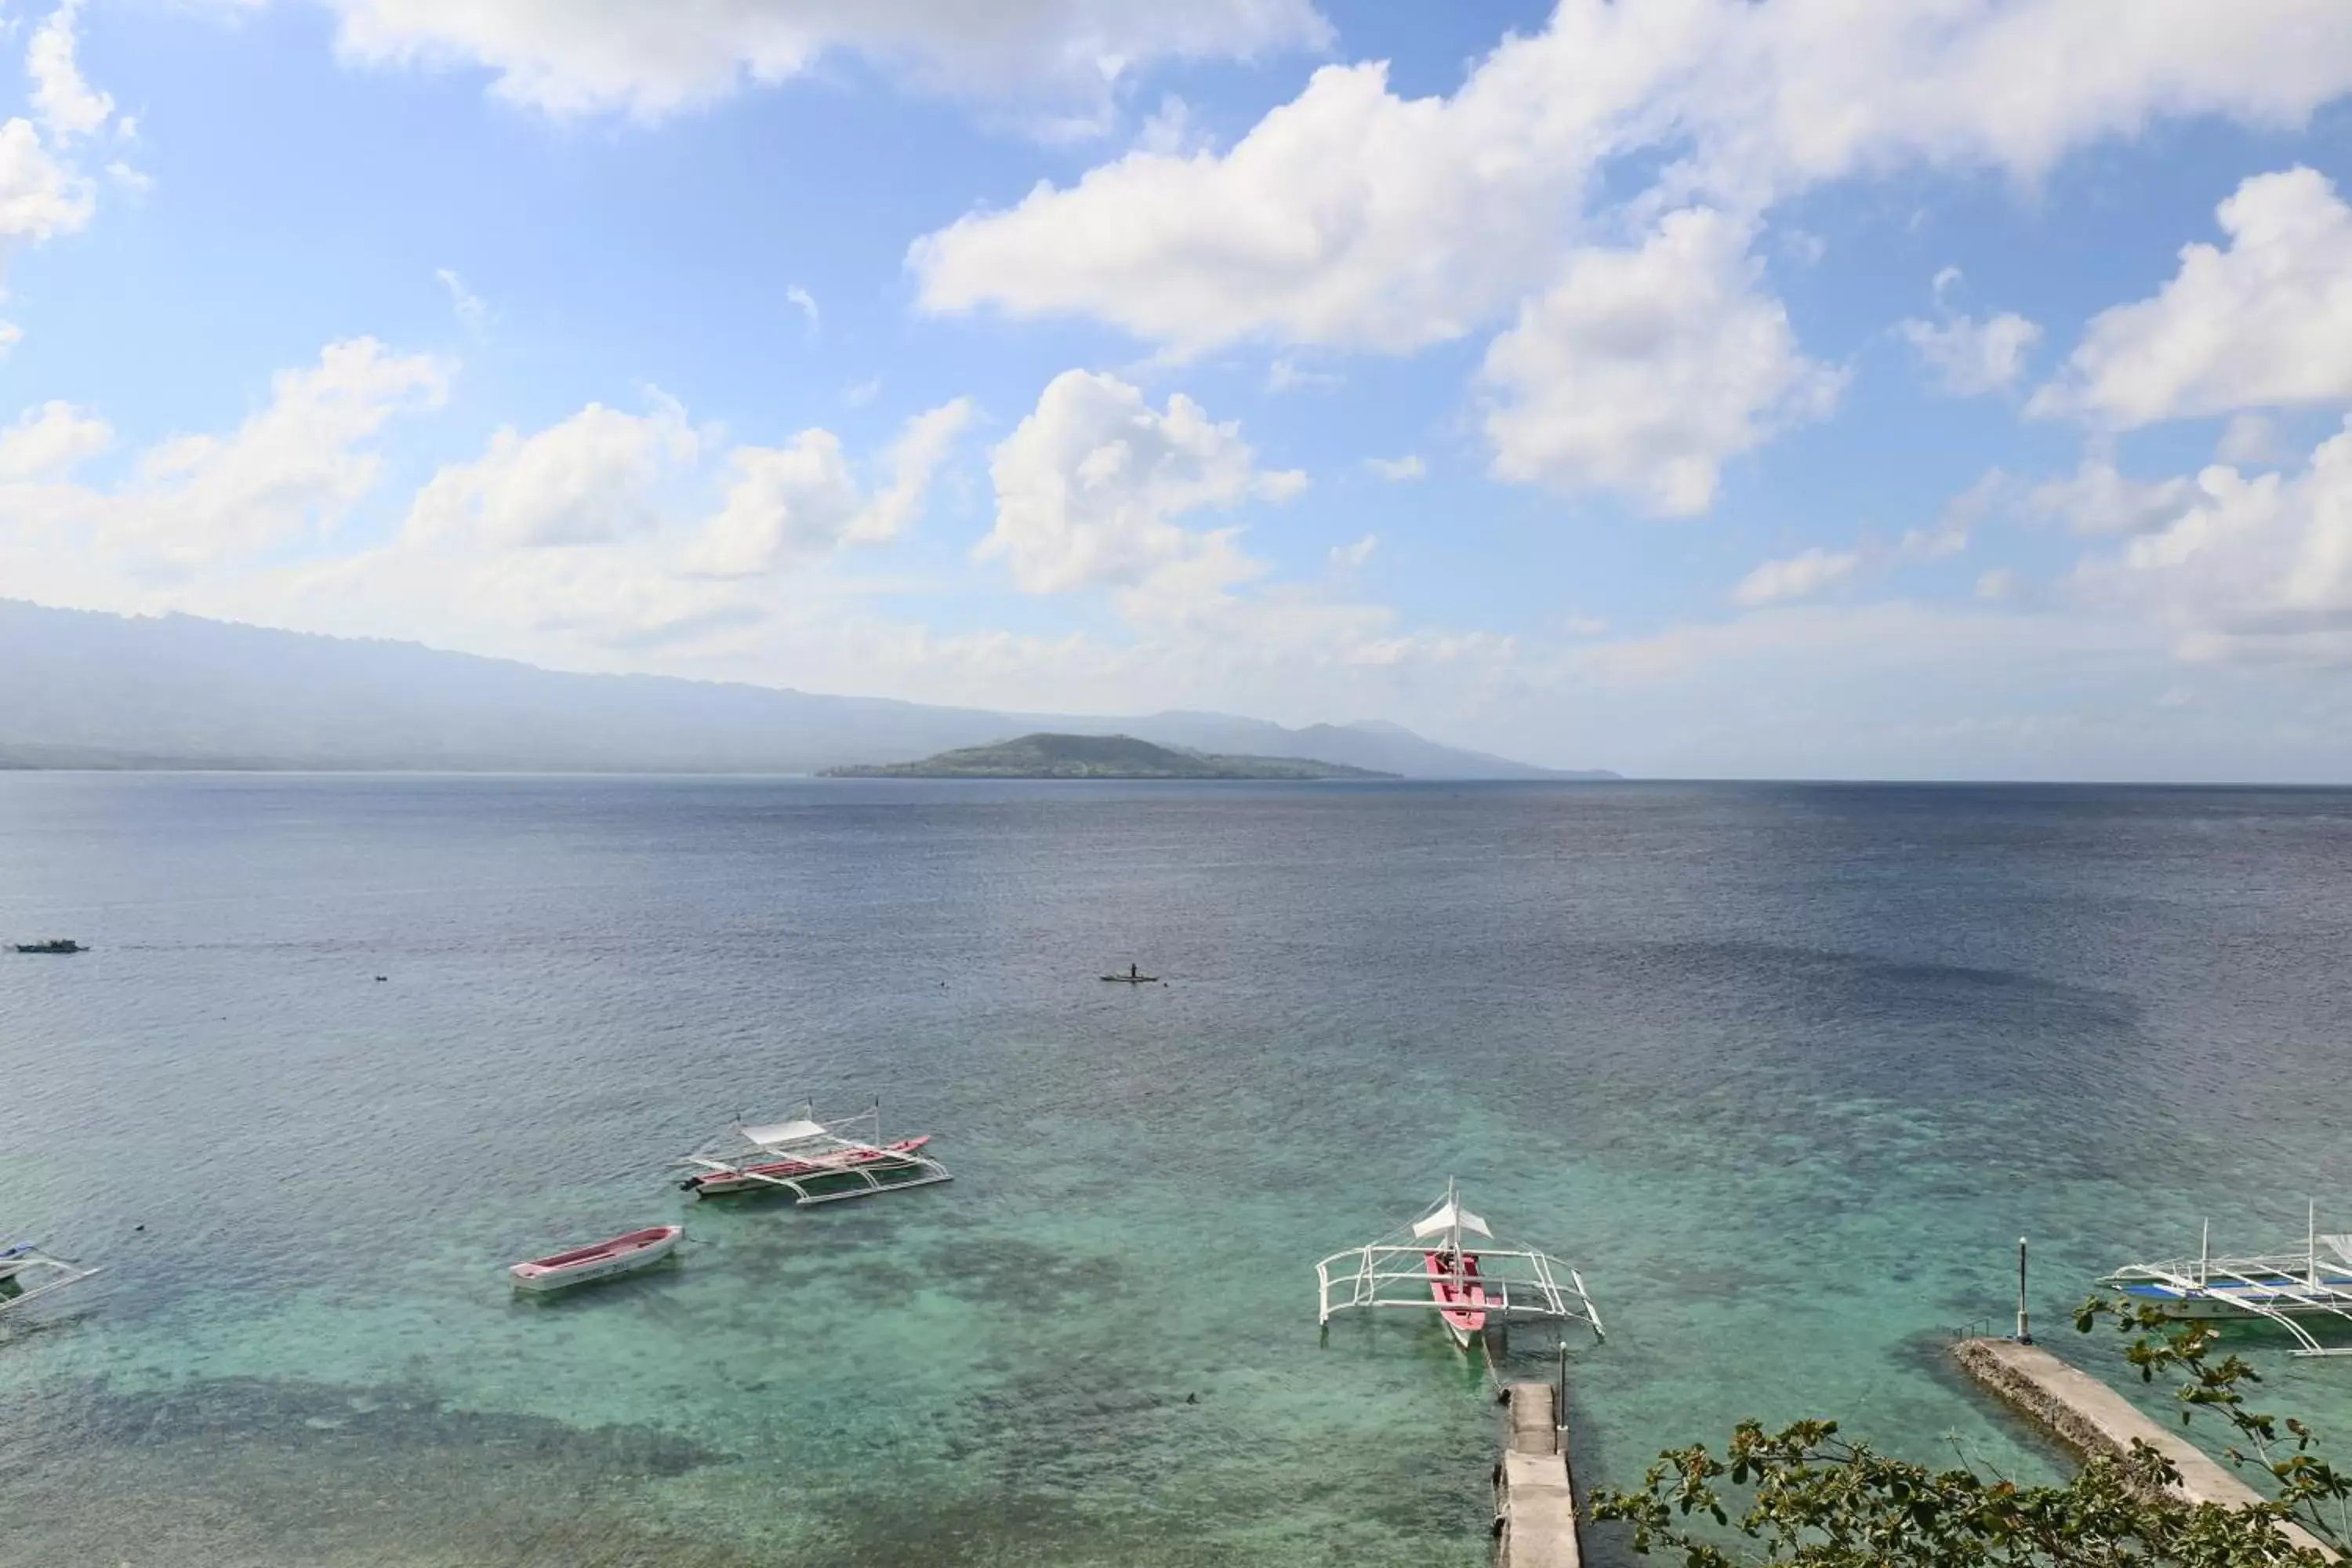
2091 1418
1535 1500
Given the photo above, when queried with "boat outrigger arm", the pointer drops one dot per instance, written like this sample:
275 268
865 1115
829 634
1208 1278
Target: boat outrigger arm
2277 1288
813 1161
1518 1283
22 1262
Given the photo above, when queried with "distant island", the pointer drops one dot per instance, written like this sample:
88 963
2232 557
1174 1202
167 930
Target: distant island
1050 756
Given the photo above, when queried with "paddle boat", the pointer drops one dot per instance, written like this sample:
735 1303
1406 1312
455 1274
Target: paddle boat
603 1260
2276 1288
810 1160
1449 1262
25 1272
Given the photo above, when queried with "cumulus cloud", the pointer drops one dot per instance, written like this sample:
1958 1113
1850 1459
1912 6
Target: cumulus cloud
1089 487
40 196
66 104
1796 577
590 480
1644 370
1971 357
2251 566
290 472
1396 469
2265 322
2098 499
575 56
50 441
799 502
1353 217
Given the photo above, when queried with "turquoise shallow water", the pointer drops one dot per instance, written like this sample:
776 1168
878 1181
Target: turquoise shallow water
1785 1070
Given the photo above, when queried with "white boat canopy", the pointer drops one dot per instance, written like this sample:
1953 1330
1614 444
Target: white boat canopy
2277 1288
793 1132
1449 1215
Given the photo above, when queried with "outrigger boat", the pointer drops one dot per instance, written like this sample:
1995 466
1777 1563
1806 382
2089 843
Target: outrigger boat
816 1164
55 944
604 1260
2276 1288
1438 1264
25 1272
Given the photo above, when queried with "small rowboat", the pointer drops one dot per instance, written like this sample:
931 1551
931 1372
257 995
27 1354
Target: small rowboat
769 1174
584 1264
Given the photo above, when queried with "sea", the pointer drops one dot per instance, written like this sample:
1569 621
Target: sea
1784 1070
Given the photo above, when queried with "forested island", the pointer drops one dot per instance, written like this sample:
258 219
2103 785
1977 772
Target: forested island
1050 756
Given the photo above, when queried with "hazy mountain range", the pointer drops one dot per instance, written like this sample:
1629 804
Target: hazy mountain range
82 690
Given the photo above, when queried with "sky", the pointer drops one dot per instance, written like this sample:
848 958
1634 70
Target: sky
1768 388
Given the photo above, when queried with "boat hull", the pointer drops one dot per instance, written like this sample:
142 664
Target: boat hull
2333 1294
1461 1297
881 1163
603 1260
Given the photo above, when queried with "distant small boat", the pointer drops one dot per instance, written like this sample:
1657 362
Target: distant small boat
585 1265
1133 977
57 944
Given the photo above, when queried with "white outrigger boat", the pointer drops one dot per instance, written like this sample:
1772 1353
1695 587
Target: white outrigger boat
26 1272
811 1161
2276 1288
1438 1264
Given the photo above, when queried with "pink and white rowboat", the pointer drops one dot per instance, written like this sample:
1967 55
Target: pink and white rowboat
582 1265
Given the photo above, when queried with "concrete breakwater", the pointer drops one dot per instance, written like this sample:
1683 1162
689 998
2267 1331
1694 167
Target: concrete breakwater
1535 1498
2091 1418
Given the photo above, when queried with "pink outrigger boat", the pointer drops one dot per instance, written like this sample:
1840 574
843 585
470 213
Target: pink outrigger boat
1448 1262
583 1265
810 1161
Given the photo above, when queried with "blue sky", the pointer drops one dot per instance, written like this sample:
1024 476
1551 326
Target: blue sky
1685 386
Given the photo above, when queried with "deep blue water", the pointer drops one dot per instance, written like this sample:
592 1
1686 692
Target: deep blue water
1785 1070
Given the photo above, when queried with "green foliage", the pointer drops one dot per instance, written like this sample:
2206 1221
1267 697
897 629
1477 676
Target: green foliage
1813 1498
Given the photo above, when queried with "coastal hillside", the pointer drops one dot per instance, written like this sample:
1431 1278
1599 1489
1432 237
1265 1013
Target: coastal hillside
1050 756
80 689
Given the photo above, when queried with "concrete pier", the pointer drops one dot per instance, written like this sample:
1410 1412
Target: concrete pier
2091 1418
1535 1500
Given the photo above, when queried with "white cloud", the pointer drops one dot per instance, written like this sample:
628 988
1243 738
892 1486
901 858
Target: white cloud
1089 486
473 312
1644 370
1971 357
291 469
2266 322
66 104
48 441
801 300
1395 469
1351 557
11 334
2098 499
799 502
590 480
2256 566
1796 577
2248 439
40 198
575 56
289 472
1353 217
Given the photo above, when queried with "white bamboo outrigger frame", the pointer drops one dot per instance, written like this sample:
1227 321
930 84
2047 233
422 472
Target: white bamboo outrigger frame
1393 1272
21 1261
2276 1288
839 1167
